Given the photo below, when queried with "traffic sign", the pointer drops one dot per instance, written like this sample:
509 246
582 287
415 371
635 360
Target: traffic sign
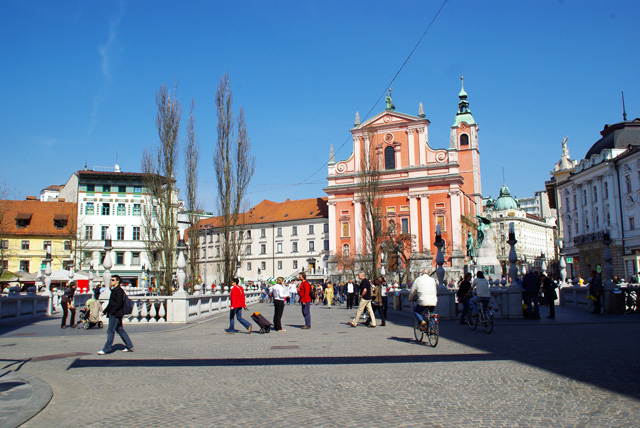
570 260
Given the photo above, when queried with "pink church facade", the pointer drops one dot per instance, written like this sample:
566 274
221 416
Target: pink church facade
420 186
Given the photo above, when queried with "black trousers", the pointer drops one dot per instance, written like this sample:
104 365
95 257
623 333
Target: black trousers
65 310
380 310
349 300
277 316
552 308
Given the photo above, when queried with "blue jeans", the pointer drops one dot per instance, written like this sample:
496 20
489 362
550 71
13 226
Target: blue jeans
418 310
115 325
306 313
478 299
237 312
292 298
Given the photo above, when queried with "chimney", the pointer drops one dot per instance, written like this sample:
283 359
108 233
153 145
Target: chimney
61 200
31 198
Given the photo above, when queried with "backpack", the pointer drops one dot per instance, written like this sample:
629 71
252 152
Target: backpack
127 308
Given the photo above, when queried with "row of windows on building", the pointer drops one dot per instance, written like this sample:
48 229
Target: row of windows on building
628 186
263 266
279 248
263 233
109 188
120 233
25 244
107 208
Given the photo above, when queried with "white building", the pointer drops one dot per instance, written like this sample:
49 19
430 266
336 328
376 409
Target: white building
537 205
111 201
601 194
535 235
279 239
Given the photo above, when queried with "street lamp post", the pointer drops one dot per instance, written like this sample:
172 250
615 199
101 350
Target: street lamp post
47 280
107 264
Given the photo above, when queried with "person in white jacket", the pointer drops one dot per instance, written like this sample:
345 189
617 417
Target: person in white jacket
424 292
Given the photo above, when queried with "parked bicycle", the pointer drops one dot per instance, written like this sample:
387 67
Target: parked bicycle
431 328
484 317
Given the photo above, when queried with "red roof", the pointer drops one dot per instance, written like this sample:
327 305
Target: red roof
40 217
273 212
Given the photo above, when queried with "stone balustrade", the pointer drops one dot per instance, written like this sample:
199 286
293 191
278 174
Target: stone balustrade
446 308
22 306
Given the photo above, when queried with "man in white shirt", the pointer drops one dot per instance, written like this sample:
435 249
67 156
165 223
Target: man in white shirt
350 293
293 291
424 292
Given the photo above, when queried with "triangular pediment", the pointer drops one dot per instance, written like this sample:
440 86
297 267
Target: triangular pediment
389 117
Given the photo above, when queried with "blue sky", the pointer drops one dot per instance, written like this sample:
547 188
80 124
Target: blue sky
78 81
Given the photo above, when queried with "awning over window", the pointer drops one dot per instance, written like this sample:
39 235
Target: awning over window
60 217
23 216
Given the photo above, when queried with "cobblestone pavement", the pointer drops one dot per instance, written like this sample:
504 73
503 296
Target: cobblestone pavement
524 374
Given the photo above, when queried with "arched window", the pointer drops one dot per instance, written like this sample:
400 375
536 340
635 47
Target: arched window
464 140
389 158
345 250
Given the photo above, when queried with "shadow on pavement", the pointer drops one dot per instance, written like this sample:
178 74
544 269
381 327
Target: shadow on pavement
280 361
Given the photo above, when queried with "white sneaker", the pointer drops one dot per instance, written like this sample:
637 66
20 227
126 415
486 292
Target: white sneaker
101 352
127 350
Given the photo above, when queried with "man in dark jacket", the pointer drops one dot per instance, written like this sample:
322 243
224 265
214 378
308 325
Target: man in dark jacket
531 286
115 312
550 295
596 289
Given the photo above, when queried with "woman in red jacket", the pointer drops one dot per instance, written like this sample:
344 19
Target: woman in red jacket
237 304
305 299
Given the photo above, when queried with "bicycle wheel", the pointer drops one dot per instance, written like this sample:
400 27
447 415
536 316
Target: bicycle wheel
487 322
416 330
433 332
472 321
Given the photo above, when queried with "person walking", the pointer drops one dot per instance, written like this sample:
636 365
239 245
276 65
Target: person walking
549 293
328 294
595 290
67 305
238 303
365 302
376 302
350 292
531 286
278 303
305 299
384 288
115 311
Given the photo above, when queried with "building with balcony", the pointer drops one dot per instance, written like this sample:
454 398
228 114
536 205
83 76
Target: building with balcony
277 239
110 201
599 197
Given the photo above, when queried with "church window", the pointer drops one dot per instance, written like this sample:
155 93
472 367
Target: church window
627 180
345 250
389 158
606 190
405 225
440 221
464 140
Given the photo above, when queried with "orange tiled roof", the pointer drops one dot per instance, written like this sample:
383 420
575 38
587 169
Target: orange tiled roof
40 215
273 212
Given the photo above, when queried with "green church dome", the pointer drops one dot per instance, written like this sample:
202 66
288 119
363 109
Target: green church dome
505 201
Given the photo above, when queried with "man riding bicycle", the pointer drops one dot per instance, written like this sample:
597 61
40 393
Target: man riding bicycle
424 292
483 295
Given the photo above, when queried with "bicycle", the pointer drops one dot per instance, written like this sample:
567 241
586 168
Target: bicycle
431 328
485 317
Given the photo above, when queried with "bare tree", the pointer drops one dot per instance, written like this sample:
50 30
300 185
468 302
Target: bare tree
398 249
192 157
160 167
345 263
234 166
371 201
4 247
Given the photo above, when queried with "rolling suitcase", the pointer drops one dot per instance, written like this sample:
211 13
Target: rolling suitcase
263 323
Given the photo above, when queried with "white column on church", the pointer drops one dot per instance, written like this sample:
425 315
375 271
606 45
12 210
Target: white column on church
398 157
356 153
412 149
422 145
358 226
414 221
426 216
456 225
332 226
